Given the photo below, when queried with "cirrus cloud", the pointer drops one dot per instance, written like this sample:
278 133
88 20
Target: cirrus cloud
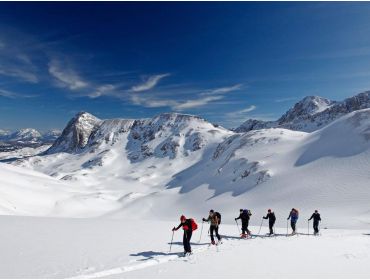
201 98
66 77
149 83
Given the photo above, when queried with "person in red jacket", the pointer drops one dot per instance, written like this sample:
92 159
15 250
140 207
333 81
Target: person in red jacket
188 231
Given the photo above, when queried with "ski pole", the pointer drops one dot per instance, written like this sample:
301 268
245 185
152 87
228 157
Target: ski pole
260 226
173 232
287 227
237 225
201 231
308 227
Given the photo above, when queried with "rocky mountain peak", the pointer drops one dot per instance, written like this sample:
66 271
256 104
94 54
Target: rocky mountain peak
76 134
305 108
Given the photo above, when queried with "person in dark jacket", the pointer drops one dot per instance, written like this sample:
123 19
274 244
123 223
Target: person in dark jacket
293 216
244 216
213 219
188 231
271 217
316 220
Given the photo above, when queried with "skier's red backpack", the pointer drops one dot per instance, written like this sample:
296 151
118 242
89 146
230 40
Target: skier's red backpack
194 225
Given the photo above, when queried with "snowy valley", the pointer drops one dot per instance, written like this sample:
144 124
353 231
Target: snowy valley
130 179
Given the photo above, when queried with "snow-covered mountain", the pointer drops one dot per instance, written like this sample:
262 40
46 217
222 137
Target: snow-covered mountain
182 162
269 168
165 135
26 138
4 133
51 135
311 113
75 136
253 124
90 144
25 135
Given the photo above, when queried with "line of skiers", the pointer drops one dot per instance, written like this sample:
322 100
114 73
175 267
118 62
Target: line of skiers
214 218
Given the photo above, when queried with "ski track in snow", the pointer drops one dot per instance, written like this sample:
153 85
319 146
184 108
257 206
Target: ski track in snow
231 241
144 264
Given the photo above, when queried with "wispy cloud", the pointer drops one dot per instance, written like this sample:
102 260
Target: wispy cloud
102 90
235 118
15 63
241 113
149 83
65 76
55 69
223 90
207 97
201 98
13 95
19 73
8 94
247 110
152 102
189 104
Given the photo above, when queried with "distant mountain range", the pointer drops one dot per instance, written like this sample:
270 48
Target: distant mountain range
307 115
27 137
311 113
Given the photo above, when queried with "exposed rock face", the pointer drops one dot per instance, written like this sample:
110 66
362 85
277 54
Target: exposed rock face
165 135
76 135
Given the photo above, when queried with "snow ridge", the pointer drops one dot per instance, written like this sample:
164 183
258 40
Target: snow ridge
311 113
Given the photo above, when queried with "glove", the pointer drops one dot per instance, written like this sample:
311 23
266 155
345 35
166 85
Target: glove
235 219
203 220
173 229
288 219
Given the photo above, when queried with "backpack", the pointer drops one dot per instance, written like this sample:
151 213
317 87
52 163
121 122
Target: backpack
296 213
248 212
218 215
273 217
194 225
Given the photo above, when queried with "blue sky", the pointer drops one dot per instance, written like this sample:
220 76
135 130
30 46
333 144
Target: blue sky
226 62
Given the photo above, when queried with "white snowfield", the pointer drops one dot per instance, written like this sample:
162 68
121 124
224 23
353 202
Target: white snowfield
133 179
103 248
203 167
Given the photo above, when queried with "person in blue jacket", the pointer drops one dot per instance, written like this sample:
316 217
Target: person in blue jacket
293 216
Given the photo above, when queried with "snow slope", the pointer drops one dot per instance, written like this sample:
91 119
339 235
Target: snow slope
102 248
29 193
179 162
134 178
